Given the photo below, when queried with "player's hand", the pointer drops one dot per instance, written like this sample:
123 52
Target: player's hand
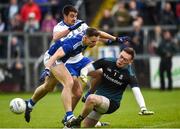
84 78
44 74
146 112
77 25
123 39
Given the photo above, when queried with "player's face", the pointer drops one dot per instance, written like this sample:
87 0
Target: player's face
71 18
91 41
123 59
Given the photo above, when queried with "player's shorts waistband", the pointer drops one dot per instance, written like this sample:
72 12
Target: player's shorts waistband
47 57
75 58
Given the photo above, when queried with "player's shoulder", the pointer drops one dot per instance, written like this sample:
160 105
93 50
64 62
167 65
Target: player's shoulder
74 39
131 70
60 24
84 24
110 59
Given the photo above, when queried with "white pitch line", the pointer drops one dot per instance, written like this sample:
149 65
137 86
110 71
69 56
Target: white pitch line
160 125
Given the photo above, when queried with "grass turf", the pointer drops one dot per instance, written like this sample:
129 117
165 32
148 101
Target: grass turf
49 111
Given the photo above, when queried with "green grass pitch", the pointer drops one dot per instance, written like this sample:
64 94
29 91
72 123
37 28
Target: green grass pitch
49 111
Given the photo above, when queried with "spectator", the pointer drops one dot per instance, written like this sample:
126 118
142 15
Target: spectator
122 17
166 50
17 49
155 40
167 16
178 12
2 25
16 23
150 12
107 21
133 11
28 8
48 23
11 10
137 37
43 6
18 74
31 24
177 40
3 48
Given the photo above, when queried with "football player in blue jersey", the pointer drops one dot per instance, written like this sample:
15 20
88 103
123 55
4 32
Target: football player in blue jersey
67 28
64 29
117 75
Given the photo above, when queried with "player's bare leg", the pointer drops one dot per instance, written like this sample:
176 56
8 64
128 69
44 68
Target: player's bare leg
95 81
93 101
77 91
42 90
63 76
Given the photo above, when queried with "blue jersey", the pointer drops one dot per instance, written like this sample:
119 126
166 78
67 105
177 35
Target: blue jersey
72 47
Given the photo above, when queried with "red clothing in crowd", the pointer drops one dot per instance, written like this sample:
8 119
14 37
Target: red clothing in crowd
178 10
28 8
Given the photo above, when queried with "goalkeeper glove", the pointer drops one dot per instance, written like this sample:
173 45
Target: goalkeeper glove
120 40
123 39
44 74
144 111
77 25
84 78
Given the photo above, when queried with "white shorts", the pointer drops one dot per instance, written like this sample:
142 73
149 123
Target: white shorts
47 57
103 108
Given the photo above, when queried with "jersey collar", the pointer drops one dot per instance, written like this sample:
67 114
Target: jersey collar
65 24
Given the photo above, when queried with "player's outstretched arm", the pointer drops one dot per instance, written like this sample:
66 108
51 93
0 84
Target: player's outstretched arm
105 35
58 35
140 100
46 72
57 55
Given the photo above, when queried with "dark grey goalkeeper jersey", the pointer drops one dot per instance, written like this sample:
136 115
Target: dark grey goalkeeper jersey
115 80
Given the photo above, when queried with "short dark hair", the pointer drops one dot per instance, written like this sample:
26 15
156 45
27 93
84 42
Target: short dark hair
69 8
130 51
92 32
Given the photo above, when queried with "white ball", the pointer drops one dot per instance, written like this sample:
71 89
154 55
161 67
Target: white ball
17 105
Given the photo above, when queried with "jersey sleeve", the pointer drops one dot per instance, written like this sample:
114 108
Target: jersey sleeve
133 81
53 48
132 77
99 63
67 47
59 28
84 26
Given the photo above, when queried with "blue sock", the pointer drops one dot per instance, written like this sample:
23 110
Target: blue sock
69 113
31 103
87 94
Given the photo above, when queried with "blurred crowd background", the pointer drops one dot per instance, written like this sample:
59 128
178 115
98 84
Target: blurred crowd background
26 32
